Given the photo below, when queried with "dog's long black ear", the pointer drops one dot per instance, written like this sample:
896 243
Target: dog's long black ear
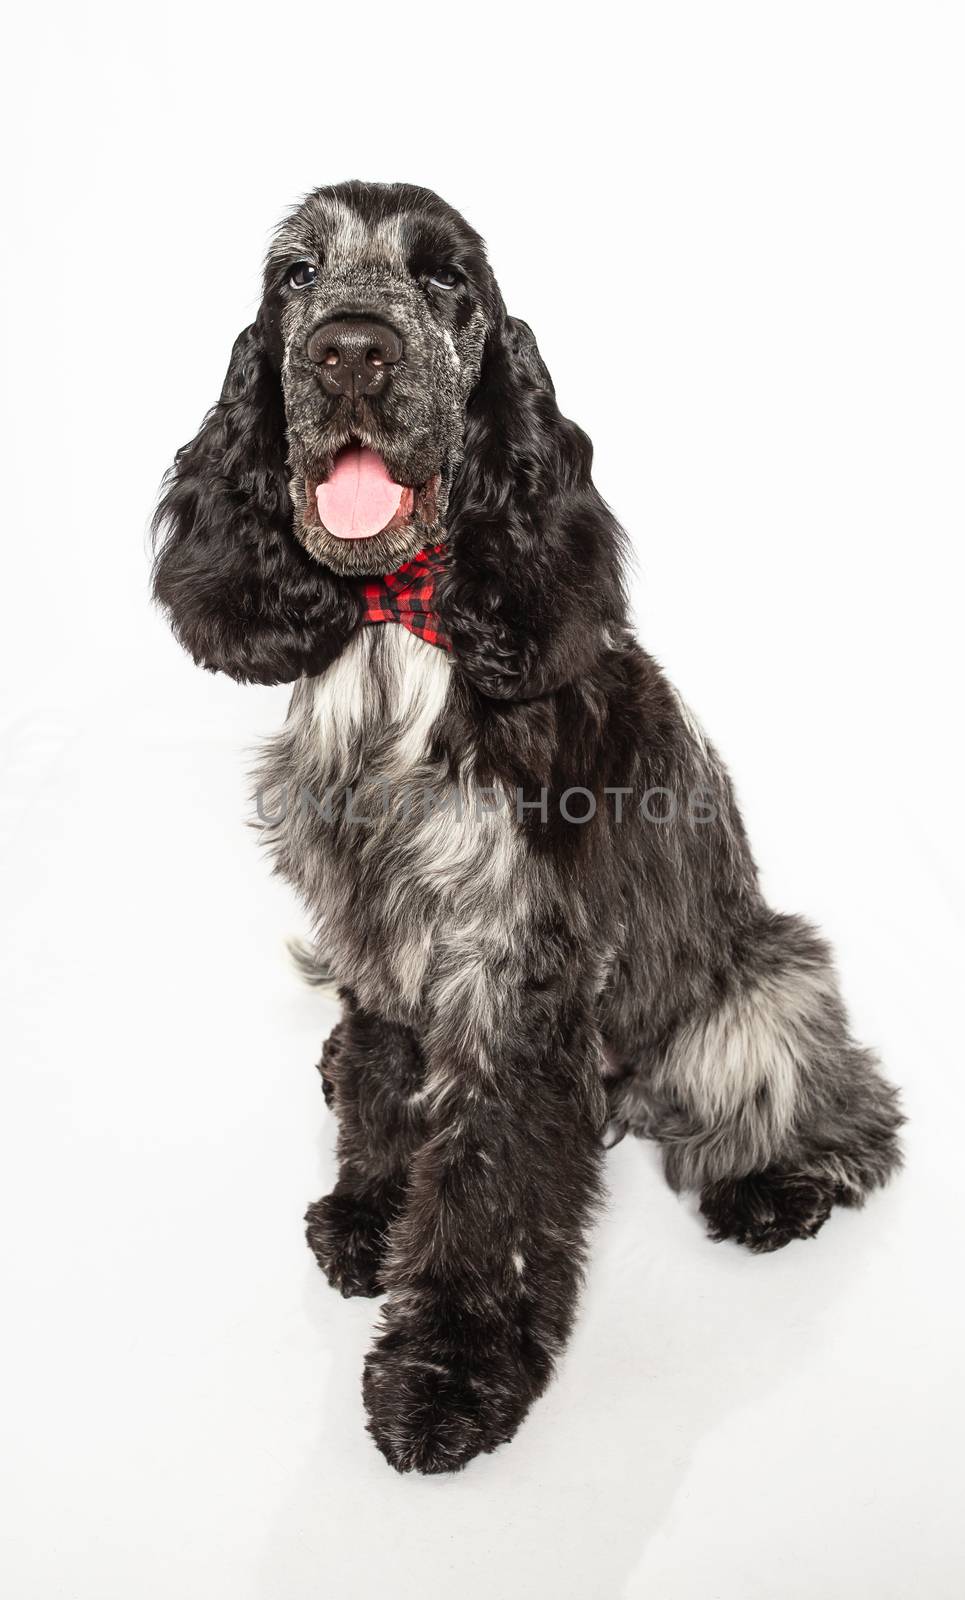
242 594
535 574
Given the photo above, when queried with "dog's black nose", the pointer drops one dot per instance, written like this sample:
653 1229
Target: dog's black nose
353 355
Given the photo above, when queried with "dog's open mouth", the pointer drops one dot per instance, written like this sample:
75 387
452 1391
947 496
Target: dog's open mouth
360 498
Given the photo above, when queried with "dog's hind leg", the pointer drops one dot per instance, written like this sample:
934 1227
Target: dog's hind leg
769 1107
372 1073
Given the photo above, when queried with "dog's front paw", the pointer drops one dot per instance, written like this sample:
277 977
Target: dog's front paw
347 1237
432 1410
766 1210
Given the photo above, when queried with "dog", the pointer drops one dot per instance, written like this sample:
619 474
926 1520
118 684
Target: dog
524 863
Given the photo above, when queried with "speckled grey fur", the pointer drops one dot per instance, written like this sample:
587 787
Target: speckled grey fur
513 983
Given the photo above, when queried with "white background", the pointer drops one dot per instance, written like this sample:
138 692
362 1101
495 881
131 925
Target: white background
737 231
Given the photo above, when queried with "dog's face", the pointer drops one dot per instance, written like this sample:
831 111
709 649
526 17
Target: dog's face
382 401
378 302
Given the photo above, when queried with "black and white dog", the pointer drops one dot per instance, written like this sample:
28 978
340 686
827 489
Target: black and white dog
524 862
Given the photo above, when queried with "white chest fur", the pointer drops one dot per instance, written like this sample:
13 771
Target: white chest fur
381 696
405 868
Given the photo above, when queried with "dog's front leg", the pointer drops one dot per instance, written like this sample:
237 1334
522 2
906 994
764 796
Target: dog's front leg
485 1261
372 1072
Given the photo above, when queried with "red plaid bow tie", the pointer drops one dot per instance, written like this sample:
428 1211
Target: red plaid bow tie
406 596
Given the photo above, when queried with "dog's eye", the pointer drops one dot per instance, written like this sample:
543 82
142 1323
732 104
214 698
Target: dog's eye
445 278
302 274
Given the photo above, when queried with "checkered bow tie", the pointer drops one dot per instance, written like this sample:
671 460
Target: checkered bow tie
406 597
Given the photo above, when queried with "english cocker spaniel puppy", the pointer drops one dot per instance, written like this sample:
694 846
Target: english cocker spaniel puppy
523 860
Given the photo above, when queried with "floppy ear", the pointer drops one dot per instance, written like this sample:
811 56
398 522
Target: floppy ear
242 594
535 573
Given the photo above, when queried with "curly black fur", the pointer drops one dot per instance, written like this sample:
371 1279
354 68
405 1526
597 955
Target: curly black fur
513 977
243 596
537 556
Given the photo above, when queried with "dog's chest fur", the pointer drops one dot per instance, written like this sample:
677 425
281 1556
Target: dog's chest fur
405 869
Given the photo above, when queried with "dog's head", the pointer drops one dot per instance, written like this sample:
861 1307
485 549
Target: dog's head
378 301
383 401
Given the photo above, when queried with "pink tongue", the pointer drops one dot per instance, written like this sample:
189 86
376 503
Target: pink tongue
359 498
